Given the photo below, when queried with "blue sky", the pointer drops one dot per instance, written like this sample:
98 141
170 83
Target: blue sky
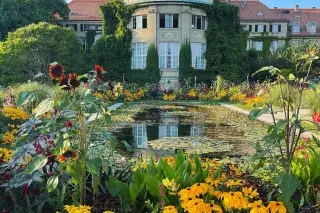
287 3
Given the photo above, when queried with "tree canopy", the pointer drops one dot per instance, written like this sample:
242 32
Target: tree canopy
29 51
19 13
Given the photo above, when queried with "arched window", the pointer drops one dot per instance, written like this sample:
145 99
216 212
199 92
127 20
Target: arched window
311 27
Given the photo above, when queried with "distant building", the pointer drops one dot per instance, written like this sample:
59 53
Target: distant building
168 23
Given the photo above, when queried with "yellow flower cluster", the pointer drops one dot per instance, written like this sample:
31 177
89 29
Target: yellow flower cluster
14 113
118 89
192 93
256 101
139 165
98 95
129 96
8 137
239 97
169 97
222 95
221 194
5 154
79 209
207 96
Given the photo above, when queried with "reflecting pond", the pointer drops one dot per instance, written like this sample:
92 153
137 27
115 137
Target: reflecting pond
209 130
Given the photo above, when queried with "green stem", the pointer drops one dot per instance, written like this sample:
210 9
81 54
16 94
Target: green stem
82 184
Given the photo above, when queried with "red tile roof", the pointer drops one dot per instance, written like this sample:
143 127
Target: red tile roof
85 10
249 11
306 16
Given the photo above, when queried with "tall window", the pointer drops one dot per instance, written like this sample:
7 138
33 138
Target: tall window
83 27
169 20
249 44
198 22
276 28
258 45
168 131
169 55
139 55
275 45
140 139
84 44
259 28
139 22
198 60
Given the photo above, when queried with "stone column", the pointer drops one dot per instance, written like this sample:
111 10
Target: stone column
185 23
152 25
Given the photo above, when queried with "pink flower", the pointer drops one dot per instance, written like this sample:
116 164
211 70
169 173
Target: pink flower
316 117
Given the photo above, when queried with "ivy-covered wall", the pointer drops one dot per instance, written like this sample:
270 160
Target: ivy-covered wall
226 43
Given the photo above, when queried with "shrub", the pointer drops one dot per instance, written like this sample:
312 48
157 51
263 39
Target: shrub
29 50
152 68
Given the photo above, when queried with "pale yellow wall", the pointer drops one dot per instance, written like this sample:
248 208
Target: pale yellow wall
283 33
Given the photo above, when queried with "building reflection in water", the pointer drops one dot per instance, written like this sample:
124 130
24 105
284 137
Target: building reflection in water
140 138
196 130
169 126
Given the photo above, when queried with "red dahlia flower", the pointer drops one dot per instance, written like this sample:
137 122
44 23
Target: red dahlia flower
74 82
316 117
56 71
99 71
68 124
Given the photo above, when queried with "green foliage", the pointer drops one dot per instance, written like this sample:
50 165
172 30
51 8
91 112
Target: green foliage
185 61
90 37
219 84
29 51
152 67
113 50
19 13
226 53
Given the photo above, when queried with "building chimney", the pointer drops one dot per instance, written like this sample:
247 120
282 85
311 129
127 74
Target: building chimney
314 7
275 7
296 8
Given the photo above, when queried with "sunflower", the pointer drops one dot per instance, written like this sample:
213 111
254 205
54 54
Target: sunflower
217 194
74 82
100 71
170 209
249 192
276 207
61 159
258 207
56 71
200 188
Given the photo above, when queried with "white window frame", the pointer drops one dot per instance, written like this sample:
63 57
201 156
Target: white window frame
296 29
275 28
198 58
169 55
258 45
245 27
260 28
195 22
249 44
168 131
137 22
139 55
140 139
84 44
312 29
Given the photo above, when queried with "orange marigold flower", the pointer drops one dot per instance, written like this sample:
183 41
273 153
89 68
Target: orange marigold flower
56 71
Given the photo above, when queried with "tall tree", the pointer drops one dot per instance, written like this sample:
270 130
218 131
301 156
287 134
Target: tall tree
19 13
29 51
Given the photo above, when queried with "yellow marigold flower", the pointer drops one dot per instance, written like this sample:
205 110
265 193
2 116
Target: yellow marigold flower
258 207
215 208
231 183
234 200
75 209
8 137
235 169
170 209
197 206
186 193
192 93
249 192
5 154
276 207
213 183
200 188
14 113
108 212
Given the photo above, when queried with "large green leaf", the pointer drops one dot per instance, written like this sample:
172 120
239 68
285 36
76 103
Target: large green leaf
25 98
179 159
138 179
45 106
74 169
288 184
152 185
52 183
134 192
118 189
167 170
256 113
36 163
93 165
